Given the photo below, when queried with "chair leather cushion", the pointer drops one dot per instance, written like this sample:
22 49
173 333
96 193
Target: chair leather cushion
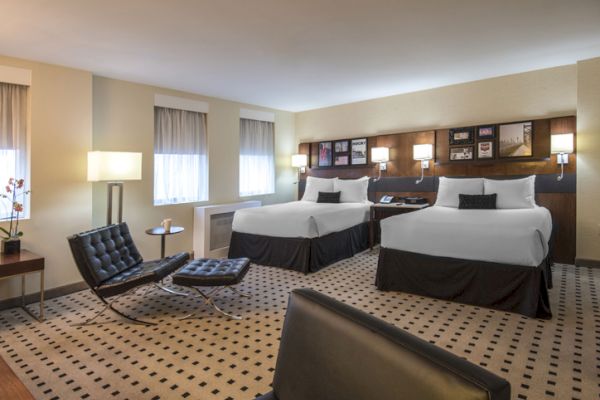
103 253
141 274
331 351
212 272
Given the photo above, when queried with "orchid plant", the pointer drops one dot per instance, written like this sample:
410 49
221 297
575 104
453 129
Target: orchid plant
15 191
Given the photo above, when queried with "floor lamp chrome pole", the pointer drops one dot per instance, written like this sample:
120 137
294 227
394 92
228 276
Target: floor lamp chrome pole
114 168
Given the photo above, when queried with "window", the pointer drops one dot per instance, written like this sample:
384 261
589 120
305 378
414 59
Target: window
180 160
13 143
257 165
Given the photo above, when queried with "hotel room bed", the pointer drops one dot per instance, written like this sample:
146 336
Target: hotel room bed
485 242
302 235
493 258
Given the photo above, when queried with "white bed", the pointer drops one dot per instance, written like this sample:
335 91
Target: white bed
300 219
505 236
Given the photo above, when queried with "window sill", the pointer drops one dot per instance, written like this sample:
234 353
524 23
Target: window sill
256 194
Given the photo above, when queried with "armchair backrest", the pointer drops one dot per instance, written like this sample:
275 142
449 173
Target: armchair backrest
331 351
104 252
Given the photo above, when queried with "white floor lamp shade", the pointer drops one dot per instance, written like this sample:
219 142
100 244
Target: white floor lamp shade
114 167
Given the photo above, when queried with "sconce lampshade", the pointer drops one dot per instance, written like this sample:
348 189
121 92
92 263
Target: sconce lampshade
380 154
562 143
422 152
299 160
114 166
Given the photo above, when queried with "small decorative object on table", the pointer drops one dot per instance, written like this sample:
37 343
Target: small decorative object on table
14 196
166 224
166 228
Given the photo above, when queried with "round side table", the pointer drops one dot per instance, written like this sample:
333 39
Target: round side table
159 230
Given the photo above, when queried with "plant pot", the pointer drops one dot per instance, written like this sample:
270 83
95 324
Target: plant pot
12 246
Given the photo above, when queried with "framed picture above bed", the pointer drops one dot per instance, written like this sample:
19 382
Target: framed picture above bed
341 146
340 160
461 153
486 132
485 150
341 154
461 136
359 151
325 154
516 140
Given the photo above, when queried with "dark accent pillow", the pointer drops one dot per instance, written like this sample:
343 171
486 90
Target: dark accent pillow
477 201
329 197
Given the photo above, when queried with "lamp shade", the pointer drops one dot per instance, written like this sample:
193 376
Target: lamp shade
380 154
562 143
299 160
114 166
422 152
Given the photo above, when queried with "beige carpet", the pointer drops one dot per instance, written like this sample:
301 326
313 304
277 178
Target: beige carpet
217 358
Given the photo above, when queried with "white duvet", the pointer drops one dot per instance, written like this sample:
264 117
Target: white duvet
306 219
516 237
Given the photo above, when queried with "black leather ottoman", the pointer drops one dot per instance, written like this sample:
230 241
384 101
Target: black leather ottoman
217 274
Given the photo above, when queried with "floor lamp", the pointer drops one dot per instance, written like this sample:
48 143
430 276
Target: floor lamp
114 167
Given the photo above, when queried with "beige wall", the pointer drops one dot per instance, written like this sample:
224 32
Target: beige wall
568 90
544 93
588 159
73 112
61 201
123 114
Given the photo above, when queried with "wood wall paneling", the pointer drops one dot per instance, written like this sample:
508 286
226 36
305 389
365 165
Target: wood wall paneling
562 205
563 209
401 153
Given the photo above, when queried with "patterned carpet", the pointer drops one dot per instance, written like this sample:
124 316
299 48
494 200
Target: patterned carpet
216 358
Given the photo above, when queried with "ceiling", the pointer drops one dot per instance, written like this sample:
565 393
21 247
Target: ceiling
301 54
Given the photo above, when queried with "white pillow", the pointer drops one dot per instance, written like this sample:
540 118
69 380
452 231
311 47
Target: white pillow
352 190
450 188
512 193
316 185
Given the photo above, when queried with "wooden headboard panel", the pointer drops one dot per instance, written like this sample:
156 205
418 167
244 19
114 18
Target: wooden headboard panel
402 172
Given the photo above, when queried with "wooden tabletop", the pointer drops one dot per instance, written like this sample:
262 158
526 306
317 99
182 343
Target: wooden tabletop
21 262
159 230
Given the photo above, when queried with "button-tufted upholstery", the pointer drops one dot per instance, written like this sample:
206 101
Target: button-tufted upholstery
111 264
211 272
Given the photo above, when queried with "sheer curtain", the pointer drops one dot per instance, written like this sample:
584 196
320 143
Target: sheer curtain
13 142
257 164
180 161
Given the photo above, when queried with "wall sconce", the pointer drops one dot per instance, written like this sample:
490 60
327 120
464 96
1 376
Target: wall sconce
380 155
300 161
423 153
562 146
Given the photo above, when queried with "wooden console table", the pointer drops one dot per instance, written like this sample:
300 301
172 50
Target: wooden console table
23 264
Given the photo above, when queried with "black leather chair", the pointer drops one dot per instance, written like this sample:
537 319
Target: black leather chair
111 265
331 351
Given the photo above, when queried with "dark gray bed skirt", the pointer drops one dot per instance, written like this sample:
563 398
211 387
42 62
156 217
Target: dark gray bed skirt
300 254
513 288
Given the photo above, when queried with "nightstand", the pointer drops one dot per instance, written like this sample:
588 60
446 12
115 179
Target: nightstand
380 211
